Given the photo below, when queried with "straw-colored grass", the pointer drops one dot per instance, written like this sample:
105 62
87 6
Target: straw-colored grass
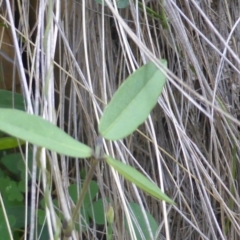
189 145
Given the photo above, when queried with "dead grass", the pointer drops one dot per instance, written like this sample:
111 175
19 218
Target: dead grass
189 145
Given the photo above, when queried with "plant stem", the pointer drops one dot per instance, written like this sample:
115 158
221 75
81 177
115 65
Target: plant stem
70 225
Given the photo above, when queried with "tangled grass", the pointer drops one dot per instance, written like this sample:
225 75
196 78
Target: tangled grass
189 145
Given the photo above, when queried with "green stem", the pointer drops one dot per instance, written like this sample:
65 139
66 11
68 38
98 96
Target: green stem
70 225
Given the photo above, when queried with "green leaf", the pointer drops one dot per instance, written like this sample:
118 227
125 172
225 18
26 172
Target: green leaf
96 212
3 226
19 213
36 130
120 3
43 232
132 103
110 214
8 99
22 167
134 176
9 142
13 192
10 191
90 195
11 161
139 223
41 215
88 199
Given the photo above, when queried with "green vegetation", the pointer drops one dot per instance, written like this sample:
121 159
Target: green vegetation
104 176
121 117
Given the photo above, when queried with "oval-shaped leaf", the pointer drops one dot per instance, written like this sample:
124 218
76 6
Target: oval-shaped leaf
90 195
132 103
36 130
11 161
8 99
134 176
9 142
96 212
139 224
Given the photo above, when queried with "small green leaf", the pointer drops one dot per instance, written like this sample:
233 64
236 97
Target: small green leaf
8 99
132 103
9 142
41 215
134 176
96 212
110 214
139 223
36 130
11 161
13 192
3 226
88 198
90 195
21 165
102 2
18 211
120 3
